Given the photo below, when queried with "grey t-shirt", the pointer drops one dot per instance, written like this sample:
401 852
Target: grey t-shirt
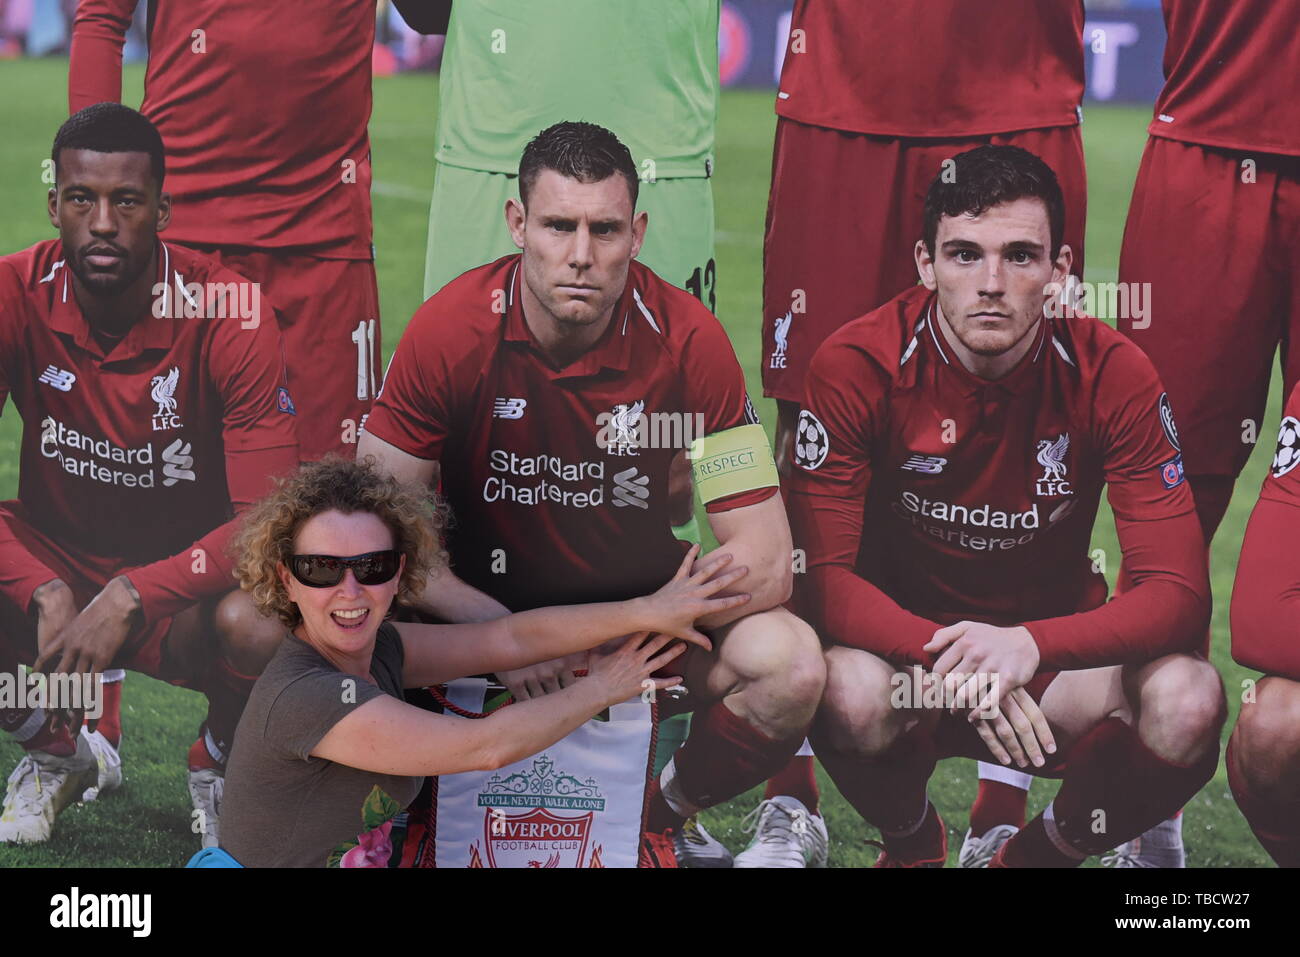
282 807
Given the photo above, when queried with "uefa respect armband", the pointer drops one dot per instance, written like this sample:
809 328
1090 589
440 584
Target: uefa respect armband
734 461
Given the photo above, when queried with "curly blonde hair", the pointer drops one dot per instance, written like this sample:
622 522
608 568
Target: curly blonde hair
265 537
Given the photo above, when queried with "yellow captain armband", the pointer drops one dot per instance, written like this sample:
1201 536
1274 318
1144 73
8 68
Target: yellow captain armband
734 461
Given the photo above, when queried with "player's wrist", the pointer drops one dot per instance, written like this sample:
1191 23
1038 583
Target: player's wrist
125 599
641 615
54 592
1030 644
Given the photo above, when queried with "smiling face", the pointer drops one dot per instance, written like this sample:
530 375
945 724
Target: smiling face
992 273
108 211
578 241
341 620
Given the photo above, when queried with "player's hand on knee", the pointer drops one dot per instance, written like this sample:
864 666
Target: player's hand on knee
1017 731
89 643
692 594
626 670
543 678
974 650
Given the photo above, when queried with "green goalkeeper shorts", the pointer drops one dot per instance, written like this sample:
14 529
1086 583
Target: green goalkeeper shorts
467 228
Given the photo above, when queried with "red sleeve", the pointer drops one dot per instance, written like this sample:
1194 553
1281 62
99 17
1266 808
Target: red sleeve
21 573
716 390
1168 607
412 410
247 368
95 62
842 410
1266 594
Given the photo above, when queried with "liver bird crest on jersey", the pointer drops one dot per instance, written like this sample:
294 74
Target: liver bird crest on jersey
163 391
781 333
625 428
1051 456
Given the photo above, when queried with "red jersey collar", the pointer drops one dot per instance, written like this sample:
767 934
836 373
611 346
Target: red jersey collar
150 332
1014 382
613 350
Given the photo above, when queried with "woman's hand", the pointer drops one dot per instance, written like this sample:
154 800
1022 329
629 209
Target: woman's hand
675 608
625 671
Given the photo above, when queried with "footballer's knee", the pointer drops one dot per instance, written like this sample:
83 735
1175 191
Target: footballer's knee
1181 707
778 660
1266 740
857 717
246 639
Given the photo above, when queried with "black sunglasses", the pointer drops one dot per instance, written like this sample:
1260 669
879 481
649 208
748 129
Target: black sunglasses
325 571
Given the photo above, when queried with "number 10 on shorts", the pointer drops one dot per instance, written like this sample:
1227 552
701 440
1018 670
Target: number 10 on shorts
364 336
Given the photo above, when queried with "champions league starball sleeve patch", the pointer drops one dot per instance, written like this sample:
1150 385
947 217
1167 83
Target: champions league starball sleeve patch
1287 454
811 442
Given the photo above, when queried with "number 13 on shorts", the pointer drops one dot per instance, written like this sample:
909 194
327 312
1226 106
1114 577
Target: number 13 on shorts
364 336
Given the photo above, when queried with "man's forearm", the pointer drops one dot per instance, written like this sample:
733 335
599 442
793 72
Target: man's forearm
768 583
95 63
1166 610
851 611
449 599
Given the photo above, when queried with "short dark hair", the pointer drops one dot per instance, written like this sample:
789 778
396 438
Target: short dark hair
582 151
989 176
111 128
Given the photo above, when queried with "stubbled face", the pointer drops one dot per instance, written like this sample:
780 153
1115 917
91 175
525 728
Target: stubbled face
108 213
992 271
578 241
345 617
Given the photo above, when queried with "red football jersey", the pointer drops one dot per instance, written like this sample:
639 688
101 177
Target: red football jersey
555 497
1232 75
263 110
1266 594
933 67
925 494
135 457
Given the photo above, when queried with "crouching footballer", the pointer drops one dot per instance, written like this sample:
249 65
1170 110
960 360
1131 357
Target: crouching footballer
950 454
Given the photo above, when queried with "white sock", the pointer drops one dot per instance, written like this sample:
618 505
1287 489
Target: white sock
672 791
27 730
996 772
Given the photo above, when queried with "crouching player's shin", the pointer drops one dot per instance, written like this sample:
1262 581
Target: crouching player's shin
1135 767
764 684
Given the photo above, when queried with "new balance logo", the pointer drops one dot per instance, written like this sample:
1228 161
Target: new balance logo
631 489
929 464
509 408
61 379
178 463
